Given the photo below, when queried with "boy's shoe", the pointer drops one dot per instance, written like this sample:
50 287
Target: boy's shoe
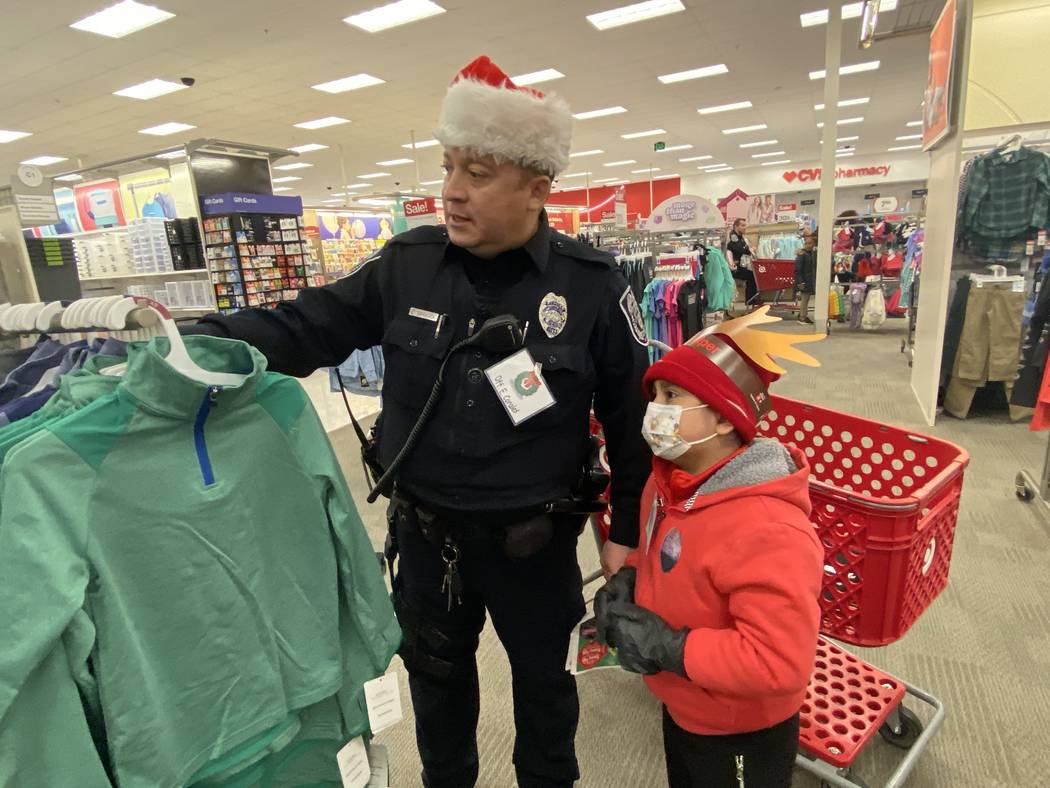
805 320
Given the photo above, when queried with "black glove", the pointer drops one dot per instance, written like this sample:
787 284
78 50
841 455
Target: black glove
619 588
643 641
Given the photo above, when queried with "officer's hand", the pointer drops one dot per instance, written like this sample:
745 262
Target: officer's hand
619 589
613 558
643 641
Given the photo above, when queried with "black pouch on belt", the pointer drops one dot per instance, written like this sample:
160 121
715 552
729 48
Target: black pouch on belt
525 539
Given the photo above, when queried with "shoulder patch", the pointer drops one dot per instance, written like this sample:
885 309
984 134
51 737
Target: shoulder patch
633 313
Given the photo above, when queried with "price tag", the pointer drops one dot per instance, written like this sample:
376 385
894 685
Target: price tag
383 699
1041 238
353 764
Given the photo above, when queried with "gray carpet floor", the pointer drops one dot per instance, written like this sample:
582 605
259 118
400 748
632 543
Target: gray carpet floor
983 647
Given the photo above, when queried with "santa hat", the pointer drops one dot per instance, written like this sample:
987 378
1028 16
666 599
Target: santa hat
730 367
484 111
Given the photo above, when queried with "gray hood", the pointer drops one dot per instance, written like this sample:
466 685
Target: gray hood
765 460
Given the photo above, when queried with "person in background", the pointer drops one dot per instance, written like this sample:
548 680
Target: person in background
806 276
718 607
740 262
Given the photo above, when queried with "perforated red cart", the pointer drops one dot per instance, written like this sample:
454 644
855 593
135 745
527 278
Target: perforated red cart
885 505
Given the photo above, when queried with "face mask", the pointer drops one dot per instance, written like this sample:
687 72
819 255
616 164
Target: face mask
660 430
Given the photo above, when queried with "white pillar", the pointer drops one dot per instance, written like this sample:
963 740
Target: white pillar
832 60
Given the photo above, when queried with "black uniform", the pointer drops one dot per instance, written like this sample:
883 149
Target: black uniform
739 247
473 475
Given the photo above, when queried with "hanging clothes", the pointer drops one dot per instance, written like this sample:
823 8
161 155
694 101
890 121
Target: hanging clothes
912 266
719 278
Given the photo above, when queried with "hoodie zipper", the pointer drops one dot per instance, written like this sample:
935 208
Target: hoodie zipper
740 771
198 435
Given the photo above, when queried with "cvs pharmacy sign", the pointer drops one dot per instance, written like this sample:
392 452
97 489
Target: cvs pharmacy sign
842 173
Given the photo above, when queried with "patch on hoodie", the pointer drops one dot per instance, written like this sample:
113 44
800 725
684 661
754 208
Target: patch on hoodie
671 550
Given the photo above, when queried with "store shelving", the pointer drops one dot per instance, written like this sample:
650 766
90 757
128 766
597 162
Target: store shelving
155 274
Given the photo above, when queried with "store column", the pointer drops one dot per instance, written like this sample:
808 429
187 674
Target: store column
832 60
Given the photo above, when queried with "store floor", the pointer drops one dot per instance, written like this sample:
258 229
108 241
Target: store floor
983 647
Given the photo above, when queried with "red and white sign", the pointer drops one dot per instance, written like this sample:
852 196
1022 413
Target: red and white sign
787 211
420 212
841 174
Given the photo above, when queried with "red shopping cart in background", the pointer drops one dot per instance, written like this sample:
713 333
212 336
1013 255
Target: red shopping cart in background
885 506
777 277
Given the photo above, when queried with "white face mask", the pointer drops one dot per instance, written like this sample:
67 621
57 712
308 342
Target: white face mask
660 430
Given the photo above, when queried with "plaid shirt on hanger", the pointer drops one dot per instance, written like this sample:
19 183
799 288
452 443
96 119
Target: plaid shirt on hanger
1006 197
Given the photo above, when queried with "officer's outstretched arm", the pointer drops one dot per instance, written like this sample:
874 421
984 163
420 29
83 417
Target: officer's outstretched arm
320 328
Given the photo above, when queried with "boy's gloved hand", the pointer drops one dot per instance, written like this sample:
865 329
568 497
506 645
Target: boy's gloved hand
619 588
643 641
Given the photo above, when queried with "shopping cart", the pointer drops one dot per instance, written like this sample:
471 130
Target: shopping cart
777 276
885 505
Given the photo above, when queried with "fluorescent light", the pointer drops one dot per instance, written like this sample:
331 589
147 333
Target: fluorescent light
11 136
725 108
391 15
423 144
282 189
725 168
572 175
742 129
844 153
286 179
638 12
296 165
394 162
144 91
767 155
321 123
582 153
905 147
166 128
535 77
425 183
376 201
619 163
648 169
666 177
372 175
848 139
843 122
355 82
856 68
72 177
851 11
761 144
694 73
610 180
171 154
309 147
45 161
122 19
637 135
771 163
333 201
847 103
712 166
599 113
913 123
363 185
910 137
696 158
672 148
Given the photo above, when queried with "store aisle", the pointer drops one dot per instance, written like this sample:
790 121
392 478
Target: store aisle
981 647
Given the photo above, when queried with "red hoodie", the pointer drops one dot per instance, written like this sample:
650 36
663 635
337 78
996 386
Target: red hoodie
741 568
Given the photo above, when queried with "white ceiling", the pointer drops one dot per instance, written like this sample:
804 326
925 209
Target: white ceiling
255 60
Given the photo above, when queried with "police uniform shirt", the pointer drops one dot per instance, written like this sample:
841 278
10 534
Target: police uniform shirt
739 247
420 296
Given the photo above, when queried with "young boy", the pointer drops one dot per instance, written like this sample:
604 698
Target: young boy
718 605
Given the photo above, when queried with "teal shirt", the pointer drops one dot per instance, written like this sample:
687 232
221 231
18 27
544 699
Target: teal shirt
207 545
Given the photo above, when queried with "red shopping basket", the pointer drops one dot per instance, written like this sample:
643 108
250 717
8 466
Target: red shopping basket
885 504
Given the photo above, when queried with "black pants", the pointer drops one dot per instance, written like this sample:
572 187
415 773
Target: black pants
768 757
534 602
747 276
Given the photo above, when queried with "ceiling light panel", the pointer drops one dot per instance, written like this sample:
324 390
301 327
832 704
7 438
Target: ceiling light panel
637 135
599 113
695 158
909 137
582 153
905 147
725 108
11 136
45 161
573 175
850 11
372 175
667 177
355 82
363 185
761 144
913 123
166 128
70 178
610 180
845 103
394 162
847 139
122 19
767 155
779 161
391 15
673 148
841 154
637 12
856 68
713 166
744 129
694 73
619 163
536 77
144 91
423 144
719 169
297 165
282 189
309 147
286 179
648 169
843 122
321 123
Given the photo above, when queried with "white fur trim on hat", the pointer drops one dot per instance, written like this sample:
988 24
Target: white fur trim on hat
511 124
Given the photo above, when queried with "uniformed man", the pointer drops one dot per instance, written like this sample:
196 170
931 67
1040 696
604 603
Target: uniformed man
508 434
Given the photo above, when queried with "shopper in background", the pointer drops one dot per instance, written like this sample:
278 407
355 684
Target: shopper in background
740 261
468 512
718 607
806 276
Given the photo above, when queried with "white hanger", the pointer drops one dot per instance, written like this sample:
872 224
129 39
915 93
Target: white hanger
47 314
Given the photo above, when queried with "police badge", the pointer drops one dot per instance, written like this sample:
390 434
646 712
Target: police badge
633 313
554 314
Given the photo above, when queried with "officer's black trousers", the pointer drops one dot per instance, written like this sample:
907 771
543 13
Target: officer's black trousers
534 603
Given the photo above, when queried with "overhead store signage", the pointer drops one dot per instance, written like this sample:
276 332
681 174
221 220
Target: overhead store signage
787 211
685 212
236 202
420 212
809 202
842 173
33 197
874 196
919 192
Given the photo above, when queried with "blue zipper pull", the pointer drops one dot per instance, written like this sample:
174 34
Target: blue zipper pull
201 446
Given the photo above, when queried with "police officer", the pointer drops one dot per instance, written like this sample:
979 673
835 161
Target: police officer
740 262
507 435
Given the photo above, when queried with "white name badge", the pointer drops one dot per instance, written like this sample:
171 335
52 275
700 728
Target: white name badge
353 764
383 699
519 384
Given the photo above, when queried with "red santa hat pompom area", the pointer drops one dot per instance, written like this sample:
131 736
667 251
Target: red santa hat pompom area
484 111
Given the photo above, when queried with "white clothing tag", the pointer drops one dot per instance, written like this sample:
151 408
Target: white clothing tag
519 384
353 764
379 758
383 699
423 314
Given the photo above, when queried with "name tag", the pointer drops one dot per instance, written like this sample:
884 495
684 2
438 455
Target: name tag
423 314
519 384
